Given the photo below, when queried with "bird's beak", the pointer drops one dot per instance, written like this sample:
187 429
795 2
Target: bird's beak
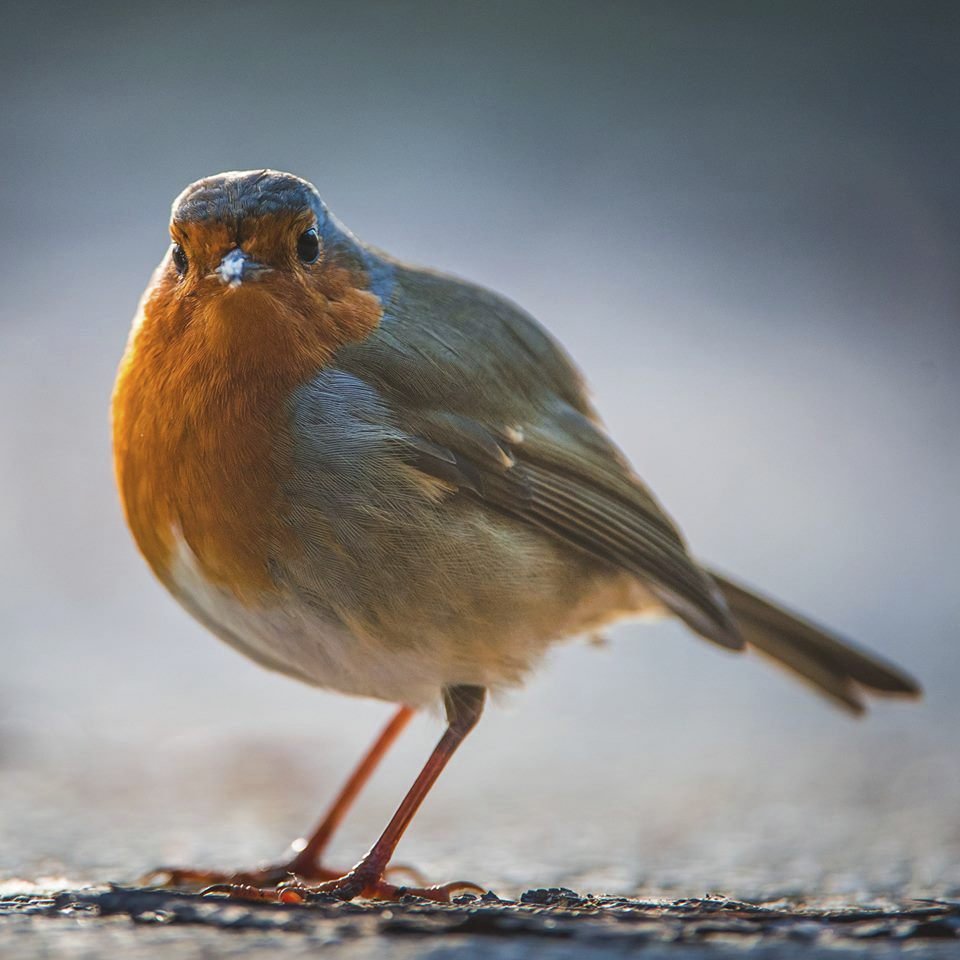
236 266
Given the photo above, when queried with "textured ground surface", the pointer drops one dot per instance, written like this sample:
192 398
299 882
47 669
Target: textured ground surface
130 922
825 851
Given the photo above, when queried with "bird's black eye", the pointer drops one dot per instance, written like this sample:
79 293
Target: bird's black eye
308 246
179 259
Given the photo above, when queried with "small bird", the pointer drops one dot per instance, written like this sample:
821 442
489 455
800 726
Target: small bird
391 483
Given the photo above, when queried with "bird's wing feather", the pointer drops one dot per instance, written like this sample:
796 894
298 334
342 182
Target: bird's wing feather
604 512
492 405
481 400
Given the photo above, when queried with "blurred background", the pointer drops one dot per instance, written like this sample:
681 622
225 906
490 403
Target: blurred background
743 219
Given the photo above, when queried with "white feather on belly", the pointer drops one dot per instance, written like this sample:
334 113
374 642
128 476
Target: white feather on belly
288 636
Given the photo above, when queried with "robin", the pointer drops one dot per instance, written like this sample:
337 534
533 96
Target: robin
391 483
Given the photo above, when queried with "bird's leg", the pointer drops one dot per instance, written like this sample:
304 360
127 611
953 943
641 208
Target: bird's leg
464 705
305 863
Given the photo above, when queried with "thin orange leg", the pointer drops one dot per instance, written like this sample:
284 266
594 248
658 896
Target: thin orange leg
312 851
464 705
306 862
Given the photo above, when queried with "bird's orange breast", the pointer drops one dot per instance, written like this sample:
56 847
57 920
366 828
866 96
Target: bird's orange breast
201 443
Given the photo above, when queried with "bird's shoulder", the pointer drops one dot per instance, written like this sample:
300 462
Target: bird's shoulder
457 365
447 342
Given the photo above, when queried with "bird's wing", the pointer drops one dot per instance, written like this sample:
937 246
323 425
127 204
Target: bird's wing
554 477
487 403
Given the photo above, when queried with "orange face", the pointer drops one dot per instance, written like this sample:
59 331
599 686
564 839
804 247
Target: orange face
260 285
241 311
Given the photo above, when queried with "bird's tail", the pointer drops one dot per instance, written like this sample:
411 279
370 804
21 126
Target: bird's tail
835 668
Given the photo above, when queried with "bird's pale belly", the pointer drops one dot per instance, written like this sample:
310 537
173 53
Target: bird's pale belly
291 637
286 634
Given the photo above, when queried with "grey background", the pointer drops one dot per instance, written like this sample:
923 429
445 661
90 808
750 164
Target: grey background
742 220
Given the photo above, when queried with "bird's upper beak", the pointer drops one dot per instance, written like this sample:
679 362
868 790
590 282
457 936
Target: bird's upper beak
236 266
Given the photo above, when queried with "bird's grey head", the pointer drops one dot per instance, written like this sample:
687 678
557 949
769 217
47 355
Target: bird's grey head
243 225
238 195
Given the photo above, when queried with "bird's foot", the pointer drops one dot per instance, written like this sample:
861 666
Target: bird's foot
350 886
264 878
265 883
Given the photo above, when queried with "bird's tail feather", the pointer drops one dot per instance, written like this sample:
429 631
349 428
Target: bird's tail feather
834 667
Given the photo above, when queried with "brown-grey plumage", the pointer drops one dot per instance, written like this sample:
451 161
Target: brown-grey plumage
392 482
466 389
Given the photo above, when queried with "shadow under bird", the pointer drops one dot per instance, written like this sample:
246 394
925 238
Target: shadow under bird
391 483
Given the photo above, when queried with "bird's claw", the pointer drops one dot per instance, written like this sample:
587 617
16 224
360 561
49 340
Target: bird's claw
240 891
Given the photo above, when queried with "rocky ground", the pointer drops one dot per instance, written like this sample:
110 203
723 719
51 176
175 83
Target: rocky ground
552 923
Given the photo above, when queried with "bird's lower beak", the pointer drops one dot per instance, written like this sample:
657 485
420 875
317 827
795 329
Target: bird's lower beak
236 266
